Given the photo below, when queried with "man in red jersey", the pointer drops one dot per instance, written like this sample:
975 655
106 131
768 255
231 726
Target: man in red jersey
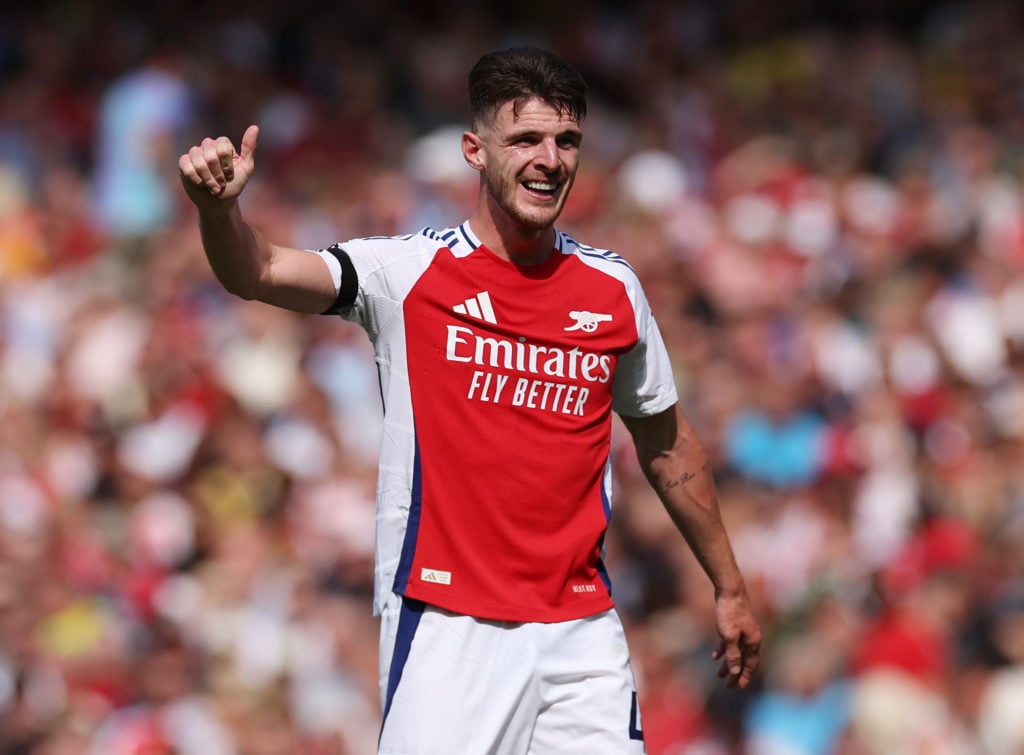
503 346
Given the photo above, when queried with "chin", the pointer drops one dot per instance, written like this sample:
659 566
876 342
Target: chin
536 224
539 220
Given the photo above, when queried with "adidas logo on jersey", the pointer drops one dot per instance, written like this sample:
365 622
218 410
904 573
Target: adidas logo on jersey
479 307
437 576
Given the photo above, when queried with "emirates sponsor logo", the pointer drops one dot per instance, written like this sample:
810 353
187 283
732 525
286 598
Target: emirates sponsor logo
465 345
519 373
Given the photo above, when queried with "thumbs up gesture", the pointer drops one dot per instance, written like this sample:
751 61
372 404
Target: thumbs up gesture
214 170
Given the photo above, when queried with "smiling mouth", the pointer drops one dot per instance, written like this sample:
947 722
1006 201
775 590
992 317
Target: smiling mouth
542 188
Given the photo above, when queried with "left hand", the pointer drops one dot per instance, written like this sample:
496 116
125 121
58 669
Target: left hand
739 645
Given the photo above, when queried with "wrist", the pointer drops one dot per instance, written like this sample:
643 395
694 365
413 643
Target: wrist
215 208
730 590
219 214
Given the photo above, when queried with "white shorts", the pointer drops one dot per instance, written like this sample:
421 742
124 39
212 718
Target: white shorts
456 685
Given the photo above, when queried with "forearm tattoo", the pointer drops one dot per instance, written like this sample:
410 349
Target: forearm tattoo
682 479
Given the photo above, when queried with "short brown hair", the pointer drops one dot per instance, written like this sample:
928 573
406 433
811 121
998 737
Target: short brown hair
523 73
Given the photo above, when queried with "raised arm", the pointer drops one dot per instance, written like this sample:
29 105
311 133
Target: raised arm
213 175
677 467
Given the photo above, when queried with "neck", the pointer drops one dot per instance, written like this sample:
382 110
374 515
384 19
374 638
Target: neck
510 240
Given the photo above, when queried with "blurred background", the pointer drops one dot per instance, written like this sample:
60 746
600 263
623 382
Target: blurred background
825 208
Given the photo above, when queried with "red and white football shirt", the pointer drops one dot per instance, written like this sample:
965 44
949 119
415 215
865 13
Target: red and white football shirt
498 384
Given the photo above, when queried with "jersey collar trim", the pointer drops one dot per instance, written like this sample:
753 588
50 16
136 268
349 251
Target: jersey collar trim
468 236
471 238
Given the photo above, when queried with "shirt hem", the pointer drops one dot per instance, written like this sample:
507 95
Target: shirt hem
516 614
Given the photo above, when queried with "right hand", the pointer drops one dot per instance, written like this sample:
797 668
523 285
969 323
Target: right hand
213 171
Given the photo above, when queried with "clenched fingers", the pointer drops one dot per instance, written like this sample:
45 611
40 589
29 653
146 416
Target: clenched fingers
210 164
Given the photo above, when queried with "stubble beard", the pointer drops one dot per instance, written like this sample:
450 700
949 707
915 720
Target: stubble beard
503 191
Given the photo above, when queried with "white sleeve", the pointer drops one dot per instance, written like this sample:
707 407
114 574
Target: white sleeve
332 265
643 383
386 269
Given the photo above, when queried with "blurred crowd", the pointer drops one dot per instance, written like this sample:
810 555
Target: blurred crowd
826 212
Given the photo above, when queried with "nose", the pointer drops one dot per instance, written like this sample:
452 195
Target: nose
547 155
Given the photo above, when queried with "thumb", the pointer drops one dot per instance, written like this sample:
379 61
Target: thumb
249 142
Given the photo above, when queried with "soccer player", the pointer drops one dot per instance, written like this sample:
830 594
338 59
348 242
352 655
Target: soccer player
503 347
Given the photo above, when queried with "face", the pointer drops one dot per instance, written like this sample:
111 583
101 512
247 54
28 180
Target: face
528 160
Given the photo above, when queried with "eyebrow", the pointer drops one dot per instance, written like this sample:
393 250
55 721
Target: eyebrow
575 132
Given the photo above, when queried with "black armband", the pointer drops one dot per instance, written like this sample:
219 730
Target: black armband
349 287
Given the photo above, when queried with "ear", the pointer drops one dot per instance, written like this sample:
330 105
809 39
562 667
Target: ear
473 150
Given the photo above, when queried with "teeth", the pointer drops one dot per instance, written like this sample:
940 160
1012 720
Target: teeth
540 186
